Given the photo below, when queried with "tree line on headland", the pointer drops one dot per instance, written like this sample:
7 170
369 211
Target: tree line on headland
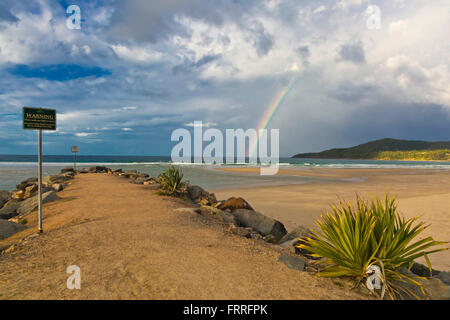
387 149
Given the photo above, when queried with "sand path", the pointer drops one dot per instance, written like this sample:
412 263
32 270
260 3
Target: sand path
130 244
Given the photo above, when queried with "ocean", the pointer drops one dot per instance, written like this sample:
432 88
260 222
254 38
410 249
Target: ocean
16 168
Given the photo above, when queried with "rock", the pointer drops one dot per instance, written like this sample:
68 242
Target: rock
58 187
298 232
18 195
28 205
295 263
223 216
26 183
31 191
116 171
435 288
5 196
69 175
422 270
200 195
9 211
130 174
234 204
98 169
240 231
57 178
67 169
84 170
261 223
8 228
444 276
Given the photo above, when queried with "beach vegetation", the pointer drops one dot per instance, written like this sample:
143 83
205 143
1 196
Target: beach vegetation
171 180
355 239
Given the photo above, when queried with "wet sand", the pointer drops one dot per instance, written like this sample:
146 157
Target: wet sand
130 244
424 192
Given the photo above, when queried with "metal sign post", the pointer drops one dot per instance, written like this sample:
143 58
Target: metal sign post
40 178
74 150
39 119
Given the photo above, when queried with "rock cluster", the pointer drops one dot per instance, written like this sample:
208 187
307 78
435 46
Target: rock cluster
16 204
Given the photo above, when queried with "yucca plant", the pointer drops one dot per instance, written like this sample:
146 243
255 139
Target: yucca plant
353 239
171 180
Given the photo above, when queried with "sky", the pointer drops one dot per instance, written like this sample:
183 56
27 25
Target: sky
136 70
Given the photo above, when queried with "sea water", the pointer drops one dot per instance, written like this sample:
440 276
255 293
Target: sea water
16 168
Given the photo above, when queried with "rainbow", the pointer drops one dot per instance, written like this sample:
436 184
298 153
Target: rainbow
270 113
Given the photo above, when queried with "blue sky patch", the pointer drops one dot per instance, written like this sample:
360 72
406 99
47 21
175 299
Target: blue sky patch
58 72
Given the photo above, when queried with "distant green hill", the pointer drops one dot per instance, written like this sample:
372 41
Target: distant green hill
387 149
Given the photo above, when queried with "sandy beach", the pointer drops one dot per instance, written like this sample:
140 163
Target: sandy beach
420 192
130 244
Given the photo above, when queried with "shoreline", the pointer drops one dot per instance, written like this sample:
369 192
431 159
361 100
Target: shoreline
422 193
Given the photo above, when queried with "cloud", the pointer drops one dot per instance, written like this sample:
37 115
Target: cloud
352 52
85 134
153 66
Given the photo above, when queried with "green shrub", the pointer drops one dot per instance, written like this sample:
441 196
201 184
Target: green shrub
171 180
353 239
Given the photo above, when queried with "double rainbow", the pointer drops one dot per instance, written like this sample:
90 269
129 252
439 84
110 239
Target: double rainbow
268 115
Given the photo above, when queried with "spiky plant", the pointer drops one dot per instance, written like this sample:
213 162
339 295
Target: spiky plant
353 239
171 180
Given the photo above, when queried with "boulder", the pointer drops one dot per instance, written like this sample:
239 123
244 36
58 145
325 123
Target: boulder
115 171
8 228
26 183
98 169
223 216
5 196
31 191
9 211
295 263
18 195
234 204
298 232
435 288
58 187
130 174
200 195
28 205
261 223
84 170
444 276
57 178
67 169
